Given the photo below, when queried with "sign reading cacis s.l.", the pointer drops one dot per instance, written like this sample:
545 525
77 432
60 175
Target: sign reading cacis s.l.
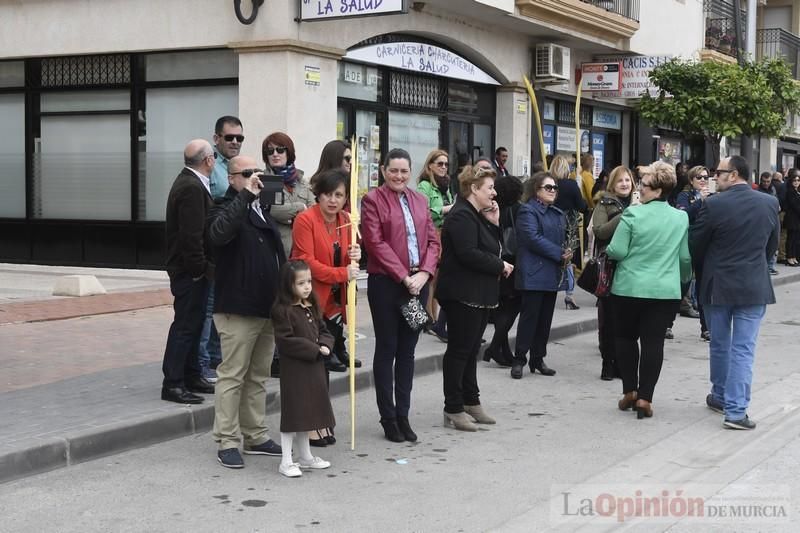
328 9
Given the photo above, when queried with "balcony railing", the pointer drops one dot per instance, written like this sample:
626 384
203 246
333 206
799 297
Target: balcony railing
626 8
776 42
720 31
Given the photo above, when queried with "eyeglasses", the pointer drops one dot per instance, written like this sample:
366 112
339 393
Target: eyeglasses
442 164
247 172
549 188
704 178
723 171
230 137
347 158
795 179
280 149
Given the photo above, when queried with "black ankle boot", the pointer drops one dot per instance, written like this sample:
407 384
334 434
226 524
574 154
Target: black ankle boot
405 429
607 373
538 364
391 430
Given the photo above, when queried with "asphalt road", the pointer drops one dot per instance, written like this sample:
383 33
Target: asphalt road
559 443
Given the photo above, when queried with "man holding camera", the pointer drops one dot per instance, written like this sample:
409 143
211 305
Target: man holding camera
249 254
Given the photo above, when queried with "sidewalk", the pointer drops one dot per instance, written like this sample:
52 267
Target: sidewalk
75 389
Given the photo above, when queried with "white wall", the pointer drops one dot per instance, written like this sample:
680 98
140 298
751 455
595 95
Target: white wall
669 27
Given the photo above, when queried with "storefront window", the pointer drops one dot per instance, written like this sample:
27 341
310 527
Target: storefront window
470 99
368 143
173 116
416 133
12 155
359 82
12 74
208 64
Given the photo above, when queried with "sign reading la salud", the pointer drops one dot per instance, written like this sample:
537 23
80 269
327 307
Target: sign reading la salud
328 9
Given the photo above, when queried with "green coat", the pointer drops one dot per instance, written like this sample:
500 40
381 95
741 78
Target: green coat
435 201
651 246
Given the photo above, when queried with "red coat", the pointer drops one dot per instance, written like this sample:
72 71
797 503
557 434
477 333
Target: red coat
383 232
313 243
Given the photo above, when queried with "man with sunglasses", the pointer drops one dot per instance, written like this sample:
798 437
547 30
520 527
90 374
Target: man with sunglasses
734 235
249 254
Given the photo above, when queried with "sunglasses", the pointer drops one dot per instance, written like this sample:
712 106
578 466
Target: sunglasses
347 158
230 137
701 178
247 172
549 188
722 171
280 149
442 164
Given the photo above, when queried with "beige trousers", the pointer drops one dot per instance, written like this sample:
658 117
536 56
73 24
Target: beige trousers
240 402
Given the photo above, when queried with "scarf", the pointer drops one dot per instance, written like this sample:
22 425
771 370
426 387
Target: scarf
288 174
443 184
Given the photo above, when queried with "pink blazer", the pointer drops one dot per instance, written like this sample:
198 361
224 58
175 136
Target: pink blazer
383 231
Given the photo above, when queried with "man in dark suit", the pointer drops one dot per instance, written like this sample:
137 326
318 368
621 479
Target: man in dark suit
733 237
190 269
500 159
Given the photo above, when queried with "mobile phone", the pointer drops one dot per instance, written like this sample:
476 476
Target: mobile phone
636 198
712 185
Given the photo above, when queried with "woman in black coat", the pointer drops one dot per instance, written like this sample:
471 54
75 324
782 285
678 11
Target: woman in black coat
469 274
570 201
792 221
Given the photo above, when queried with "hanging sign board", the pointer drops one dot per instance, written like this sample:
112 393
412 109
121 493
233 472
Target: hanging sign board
635 75
600 76
421 57
335 9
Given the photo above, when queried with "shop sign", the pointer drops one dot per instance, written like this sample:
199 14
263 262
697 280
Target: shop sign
600 76
547 133
420 57
598 151
565 139
606 118
332 9
635 75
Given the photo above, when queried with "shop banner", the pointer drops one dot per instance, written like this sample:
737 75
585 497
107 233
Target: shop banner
606 118
420 57
635 75
565 140
548 132
600 76
598 151
330 9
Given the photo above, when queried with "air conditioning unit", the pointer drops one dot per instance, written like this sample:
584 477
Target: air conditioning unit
552 62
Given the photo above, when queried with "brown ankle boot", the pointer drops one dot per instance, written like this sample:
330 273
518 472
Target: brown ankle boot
627 401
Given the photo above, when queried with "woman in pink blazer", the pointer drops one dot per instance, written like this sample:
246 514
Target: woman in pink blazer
402 253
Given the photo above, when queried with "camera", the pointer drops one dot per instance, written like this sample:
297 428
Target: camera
271 190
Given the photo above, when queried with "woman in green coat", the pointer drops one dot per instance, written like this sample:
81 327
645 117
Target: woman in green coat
651 247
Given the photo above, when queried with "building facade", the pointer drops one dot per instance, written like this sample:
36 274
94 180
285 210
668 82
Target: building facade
98 98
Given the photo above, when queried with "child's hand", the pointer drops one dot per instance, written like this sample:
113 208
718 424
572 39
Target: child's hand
324 351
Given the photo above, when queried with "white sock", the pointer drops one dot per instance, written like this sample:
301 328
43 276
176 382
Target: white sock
286 446
303 447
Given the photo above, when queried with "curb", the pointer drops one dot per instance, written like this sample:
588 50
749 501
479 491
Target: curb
144 431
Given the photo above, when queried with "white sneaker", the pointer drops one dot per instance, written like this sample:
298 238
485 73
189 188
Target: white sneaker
290 470
315 463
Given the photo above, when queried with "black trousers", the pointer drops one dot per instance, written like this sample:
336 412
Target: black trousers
606 330
792 243
533 329
465 327
183 340
395 342
504 316
641 321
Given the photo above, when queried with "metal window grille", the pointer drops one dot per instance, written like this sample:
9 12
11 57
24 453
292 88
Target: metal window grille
408 90
82 71
566 114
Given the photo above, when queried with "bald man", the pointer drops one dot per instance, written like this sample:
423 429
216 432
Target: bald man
190 268
247 244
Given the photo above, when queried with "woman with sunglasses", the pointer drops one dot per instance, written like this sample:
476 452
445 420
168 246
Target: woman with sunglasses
278 153
792 221
541 258
434 183
651 247
402 253
321 237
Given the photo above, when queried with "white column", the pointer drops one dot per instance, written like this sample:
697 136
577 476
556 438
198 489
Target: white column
288 86
513 127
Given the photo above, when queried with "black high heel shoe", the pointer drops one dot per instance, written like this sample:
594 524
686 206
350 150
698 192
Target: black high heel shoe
405 429
570 304
538 364
319 442
391 431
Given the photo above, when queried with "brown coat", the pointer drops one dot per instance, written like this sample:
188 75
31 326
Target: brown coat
305 404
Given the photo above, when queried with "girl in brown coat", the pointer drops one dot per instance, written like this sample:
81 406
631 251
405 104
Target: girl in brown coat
303 342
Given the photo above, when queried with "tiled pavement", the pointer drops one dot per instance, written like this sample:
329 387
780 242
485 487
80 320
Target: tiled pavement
74 389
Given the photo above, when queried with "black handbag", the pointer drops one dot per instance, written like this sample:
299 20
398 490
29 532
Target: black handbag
414 313
510 237
589 276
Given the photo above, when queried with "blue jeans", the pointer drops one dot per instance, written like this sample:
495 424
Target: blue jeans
734 331
209 351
